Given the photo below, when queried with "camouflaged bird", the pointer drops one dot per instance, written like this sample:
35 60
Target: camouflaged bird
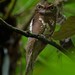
43 23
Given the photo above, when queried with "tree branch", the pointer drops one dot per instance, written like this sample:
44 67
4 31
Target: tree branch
39 37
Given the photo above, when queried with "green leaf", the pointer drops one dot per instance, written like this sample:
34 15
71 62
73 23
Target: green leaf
66 30
68 8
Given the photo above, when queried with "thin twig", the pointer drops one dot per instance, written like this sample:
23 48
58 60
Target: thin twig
39 37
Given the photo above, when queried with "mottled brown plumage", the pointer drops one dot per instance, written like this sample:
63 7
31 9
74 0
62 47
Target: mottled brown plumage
43 23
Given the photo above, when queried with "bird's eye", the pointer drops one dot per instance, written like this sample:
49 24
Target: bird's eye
39 6
52 8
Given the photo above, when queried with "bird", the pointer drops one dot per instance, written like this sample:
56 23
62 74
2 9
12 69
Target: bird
43 23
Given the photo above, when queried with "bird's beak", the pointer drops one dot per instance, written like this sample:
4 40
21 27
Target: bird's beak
45 12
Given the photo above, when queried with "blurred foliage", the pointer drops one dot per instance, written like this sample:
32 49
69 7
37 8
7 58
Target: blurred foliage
50 60
67 29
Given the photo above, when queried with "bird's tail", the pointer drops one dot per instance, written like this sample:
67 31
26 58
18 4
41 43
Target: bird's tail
33 48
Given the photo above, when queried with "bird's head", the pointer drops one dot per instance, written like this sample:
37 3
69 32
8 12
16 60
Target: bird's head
46 8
